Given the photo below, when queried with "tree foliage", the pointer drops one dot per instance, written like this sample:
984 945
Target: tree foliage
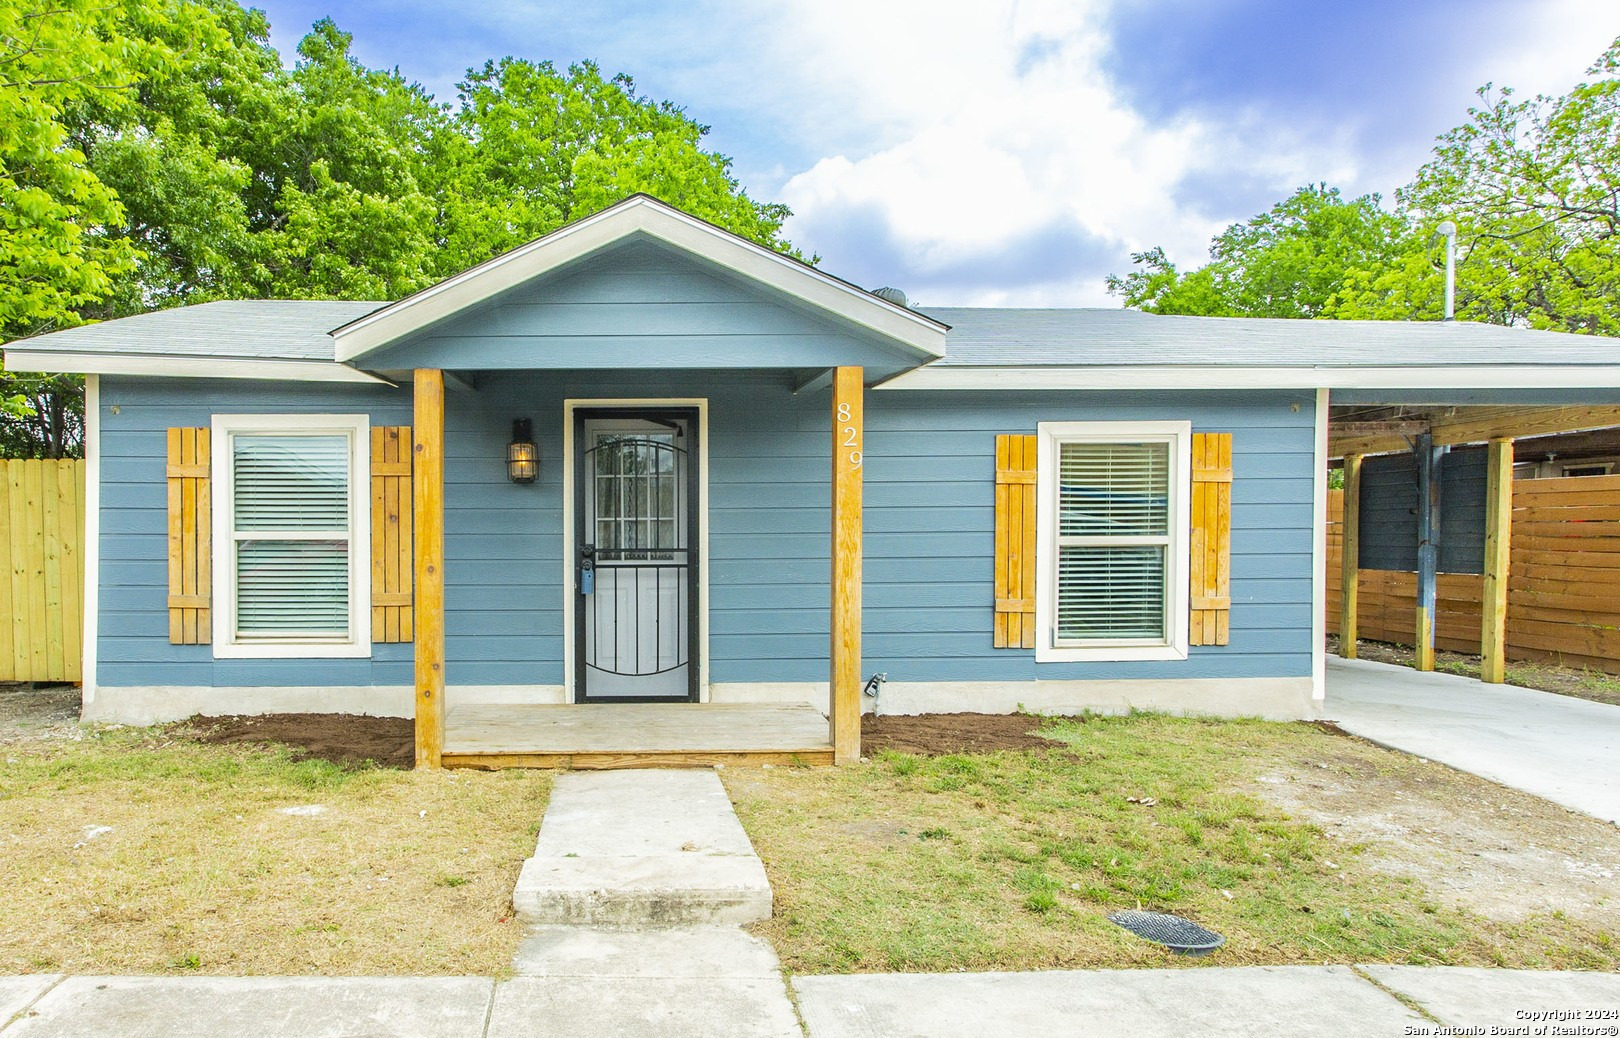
1533 186
155 153
1286 262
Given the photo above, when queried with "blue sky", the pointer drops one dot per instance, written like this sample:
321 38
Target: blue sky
1014 153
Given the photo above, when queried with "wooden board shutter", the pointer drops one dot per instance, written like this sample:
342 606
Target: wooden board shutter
191 512
1211 569
1015 542
392 562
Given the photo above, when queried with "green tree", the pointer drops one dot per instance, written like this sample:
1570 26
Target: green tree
537 148
1289 261
1534 187
155 153
54 257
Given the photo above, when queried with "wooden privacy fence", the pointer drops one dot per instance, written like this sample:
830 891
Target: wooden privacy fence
1563 580
41 570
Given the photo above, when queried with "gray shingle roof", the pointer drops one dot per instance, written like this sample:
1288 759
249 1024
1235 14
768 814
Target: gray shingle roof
262 329
979 337
1031 338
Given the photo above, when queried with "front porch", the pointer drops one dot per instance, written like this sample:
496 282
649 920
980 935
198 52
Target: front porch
634 735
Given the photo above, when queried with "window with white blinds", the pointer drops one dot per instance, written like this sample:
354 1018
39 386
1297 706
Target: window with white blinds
294 539
1113 540
1113 537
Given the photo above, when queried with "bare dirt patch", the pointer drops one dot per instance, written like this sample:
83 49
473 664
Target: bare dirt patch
348 739
931 735
1472 844
38 711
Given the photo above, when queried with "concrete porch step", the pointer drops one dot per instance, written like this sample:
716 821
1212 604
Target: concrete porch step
645 848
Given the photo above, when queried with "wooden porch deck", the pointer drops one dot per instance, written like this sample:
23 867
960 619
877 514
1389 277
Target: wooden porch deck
634 735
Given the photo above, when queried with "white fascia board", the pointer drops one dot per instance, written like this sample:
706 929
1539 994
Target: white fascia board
1227 377
644 215
54 363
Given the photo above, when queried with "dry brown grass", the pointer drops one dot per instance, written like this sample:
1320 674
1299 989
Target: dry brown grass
200 871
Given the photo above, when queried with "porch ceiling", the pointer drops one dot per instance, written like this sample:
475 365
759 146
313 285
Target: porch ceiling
1393 428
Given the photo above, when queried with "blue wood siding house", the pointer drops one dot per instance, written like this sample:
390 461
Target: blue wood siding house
756 486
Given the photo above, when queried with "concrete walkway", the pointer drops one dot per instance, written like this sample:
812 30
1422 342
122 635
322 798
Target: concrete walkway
1295 1000
1557 747
641 848
633 900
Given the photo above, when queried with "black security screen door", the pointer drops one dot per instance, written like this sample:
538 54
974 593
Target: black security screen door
635 571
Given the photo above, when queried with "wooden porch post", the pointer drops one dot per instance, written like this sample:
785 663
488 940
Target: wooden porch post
1498 548
844 690
1427 456
1349 556
427 484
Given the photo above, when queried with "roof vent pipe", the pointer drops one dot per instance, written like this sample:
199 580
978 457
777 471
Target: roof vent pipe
1448 230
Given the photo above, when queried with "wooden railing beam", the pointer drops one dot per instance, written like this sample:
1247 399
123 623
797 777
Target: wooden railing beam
427 486
1349 557
848 443
1498 547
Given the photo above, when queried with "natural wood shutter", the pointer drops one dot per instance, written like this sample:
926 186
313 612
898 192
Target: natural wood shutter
391 550
191 571
1015 542
1211 569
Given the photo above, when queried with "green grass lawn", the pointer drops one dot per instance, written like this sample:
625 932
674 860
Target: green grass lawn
1012 860
139 851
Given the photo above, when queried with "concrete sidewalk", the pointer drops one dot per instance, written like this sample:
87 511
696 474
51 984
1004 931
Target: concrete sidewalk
1557 747
1295 1000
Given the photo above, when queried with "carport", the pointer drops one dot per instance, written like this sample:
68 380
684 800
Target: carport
1430 519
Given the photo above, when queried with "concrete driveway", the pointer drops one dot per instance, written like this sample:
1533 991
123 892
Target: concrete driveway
1564 749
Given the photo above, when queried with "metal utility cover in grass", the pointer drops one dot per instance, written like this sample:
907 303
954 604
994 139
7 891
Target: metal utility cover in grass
1182 936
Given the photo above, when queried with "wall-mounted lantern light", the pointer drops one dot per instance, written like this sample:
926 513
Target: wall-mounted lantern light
522 456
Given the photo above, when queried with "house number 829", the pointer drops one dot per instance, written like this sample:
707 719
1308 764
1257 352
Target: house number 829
851 437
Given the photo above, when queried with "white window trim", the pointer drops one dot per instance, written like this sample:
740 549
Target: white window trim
358 643
1179 436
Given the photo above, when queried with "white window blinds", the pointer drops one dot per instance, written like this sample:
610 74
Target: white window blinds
293 530
1113 541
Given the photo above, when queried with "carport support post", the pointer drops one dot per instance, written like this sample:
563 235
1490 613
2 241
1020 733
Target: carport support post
1350 556
1498 547
848 442
427 493
1427 456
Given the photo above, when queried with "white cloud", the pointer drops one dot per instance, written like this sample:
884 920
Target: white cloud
1000 124
969 151
986 123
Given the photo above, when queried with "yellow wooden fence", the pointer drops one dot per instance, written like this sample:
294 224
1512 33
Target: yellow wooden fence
1563 580
41 570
